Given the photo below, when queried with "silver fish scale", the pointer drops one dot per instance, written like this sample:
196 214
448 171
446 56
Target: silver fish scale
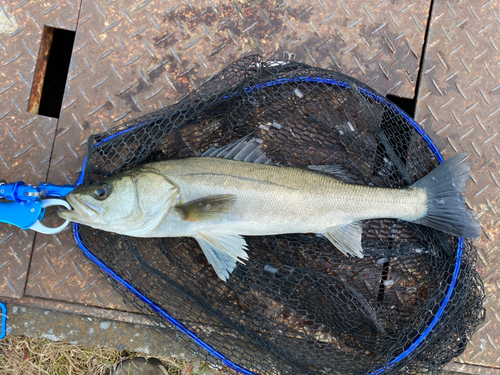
269 196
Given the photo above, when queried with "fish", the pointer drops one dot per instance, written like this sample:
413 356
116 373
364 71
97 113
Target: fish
227 193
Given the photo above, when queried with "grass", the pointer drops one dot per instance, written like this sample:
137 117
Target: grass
20 355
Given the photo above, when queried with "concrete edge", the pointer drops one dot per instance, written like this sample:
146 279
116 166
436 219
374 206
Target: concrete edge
73 308
136 318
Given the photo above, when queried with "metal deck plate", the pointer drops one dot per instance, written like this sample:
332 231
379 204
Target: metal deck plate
459 107
26 140
132 57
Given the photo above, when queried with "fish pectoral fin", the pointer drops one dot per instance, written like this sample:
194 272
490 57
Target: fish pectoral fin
222 251
347 238
207 207
336 171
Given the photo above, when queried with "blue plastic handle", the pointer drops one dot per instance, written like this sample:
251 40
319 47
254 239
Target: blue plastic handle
55 191
3 330
26 208
20 192
21 214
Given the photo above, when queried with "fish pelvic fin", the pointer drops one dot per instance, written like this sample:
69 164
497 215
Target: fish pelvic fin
222 251
446 210
347 238
207 207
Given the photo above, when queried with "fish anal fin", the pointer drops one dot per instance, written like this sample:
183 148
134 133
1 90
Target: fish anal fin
206 208
347 238
222 251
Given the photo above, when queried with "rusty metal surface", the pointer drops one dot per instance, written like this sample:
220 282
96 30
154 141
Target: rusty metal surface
25 140
133 57
40 70
459 107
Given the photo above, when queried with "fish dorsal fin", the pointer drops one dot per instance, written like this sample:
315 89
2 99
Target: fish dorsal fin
206 208
246 149
337 171
347 238
222 251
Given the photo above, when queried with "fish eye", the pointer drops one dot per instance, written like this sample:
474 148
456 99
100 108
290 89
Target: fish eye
101 191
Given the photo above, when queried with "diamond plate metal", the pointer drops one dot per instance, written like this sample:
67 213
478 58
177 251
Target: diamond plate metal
459 106
60 271
15 253
133 57
25 140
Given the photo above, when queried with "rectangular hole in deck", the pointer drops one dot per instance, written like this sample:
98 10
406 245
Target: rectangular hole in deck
407 105
51 72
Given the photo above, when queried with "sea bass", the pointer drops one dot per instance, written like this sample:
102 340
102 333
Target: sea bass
234 191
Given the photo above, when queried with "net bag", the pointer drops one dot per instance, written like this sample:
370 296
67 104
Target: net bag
298 305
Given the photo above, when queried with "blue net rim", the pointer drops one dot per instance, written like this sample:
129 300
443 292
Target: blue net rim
192 335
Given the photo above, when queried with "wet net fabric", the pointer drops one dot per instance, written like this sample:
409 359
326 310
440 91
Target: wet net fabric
298 305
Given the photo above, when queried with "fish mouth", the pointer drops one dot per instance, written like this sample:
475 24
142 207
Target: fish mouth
83 212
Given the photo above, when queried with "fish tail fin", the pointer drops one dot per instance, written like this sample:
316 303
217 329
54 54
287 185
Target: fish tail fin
446 210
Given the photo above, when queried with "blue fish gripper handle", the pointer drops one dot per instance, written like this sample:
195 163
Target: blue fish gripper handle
25 206
3 330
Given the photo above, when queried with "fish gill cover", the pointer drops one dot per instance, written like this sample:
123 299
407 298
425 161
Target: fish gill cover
298 305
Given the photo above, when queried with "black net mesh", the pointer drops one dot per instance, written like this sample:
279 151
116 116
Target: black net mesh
298 305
